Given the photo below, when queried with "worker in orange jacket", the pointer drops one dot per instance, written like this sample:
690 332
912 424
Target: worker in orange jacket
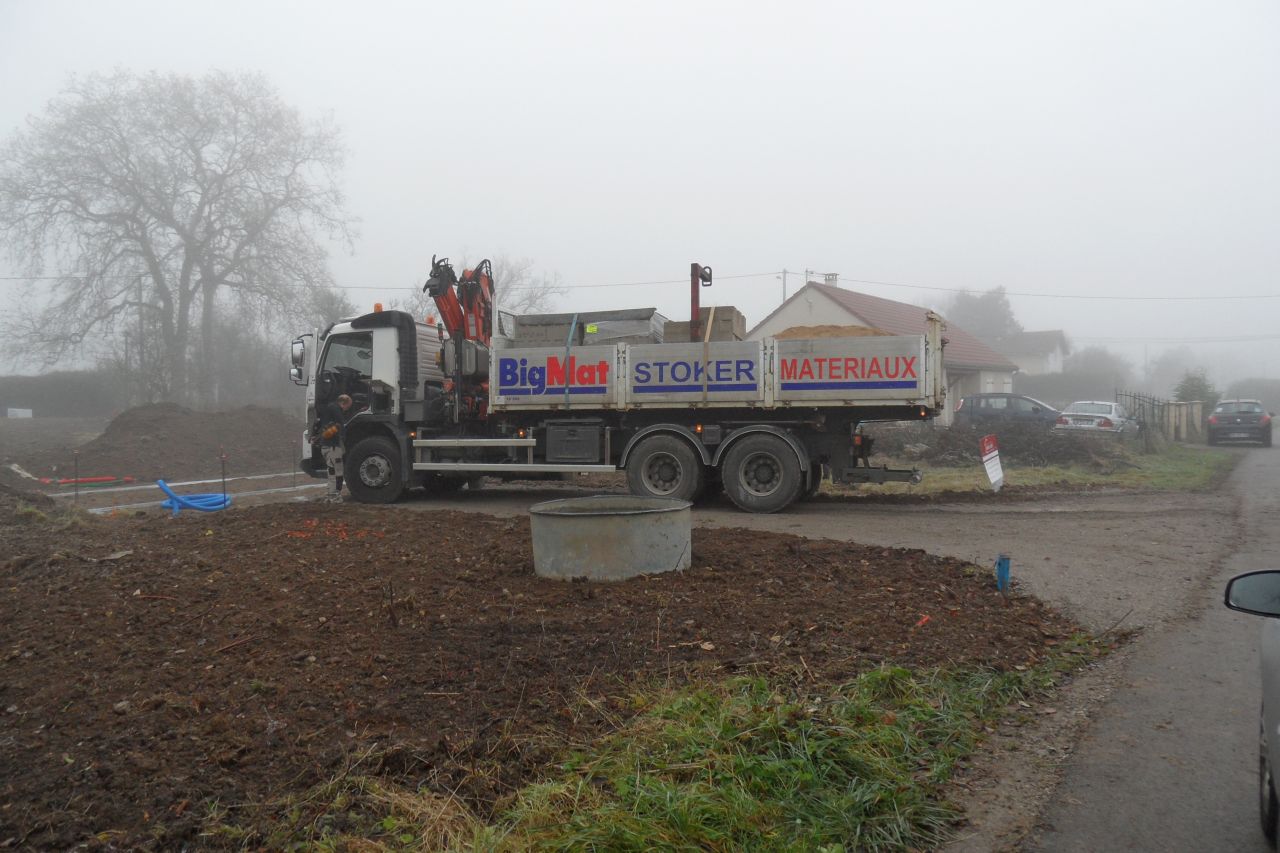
333 432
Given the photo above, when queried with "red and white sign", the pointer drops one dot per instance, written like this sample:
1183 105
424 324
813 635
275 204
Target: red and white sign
991 460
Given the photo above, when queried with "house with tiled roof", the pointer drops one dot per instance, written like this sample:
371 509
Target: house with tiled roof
1035 353
971 366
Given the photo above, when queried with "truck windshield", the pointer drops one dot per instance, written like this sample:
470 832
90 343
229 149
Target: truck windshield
347 367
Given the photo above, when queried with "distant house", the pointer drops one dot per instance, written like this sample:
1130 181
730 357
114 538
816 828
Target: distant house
971 366
1035 353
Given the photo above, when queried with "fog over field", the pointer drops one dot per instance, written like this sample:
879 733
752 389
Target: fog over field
1112 165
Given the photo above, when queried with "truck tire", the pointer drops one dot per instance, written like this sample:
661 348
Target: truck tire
761 473
373 471
663 466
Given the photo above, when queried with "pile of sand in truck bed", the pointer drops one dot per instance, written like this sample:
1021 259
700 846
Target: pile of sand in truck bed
168 441
810 332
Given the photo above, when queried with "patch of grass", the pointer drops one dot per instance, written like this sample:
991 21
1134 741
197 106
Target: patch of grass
744 764
750 765
1178 467
30 514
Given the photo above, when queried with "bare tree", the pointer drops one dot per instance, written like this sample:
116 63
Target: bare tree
521 289
987 314
152 195
329 305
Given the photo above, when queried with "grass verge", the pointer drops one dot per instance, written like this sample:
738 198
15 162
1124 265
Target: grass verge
1179 467
748 763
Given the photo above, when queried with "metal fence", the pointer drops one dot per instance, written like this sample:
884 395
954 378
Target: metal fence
1170 419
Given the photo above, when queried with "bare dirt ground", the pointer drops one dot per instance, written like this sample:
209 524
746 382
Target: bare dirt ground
153 666
1112 562
162 441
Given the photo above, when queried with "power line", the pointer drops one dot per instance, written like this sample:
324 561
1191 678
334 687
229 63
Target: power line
418 288
1080 296
846 280
1225 339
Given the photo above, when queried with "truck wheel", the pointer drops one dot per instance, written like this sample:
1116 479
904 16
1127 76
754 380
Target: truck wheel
373 471
663 466
762 474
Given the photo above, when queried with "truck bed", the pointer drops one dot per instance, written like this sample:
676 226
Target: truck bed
770 373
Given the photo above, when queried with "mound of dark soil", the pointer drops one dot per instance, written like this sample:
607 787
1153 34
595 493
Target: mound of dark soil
155 667
12 497
172 442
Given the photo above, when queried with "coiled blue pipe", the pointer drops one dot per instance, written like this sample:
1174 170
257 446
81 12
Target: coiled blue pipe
209 502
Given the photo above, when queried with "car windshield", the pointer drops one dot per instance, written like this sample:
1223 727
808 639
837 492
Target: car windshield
1239 408
1089 409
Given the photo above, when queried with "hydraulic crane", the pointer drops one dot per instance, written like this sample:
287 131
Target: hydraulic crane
466 313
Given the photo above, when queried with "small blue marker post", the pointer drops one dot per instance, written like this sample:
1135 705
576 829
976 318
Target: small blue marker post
1002 573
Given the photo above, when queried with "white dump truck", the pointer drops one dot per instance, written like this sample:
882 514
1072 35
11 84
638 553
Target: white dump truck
440 405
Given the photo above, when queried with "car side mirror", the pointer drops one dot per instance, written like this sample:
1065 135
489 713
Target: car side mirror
1255 592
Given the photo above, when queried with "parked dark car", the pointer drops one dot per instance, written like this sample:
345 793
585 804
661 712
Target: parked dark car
1003 409
1240 420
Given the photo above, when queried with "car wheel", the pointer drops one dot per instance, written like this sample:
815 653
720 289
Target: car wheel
663 466
373 471
761 473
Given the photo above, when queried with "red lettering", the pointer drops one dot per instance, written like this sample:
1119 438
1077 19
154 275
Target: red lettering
851 368
556 371
874 368
909 369
788 369
806 369
602 372
833 369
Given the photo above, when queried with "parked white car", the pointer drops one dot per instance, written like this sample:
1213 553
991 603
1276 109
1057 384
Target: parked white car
1259 593
1096 416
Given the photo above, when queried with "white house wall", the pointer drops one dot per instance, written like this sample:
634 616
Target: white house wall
811 308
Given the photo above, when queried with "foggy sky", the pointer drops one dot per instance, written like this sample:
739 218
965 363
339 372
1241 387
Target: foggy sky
1091 149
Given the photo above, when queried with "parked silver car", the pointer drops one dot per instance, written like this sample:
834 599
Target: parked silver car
1259 593
1096 416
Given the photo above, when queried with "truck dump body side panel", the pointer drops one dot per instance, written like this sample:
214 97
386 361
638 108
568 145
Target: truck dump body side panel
680 374
863 370
832 372
546 378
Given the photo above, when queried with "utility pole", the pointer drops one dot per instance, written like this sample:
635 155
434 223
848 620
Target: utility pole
808 274
784 284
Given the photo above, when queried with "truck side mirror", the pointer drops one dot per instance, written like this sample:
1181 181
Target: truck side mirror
297 358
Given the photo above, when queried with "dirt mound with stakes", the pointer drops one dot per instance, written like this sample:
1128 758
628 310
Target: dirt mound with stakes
155 666
169 441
